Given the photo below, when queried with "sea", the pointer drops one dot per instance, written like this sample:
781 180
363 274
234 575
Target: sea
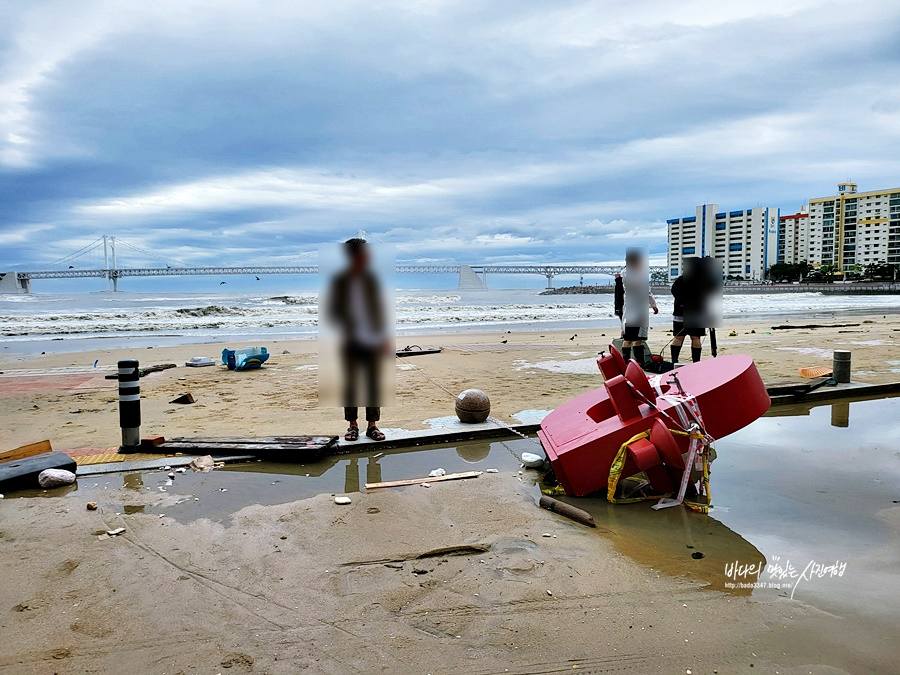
52 322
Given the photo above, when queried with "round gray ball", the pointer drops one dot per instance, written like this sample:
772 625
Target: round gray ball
473 406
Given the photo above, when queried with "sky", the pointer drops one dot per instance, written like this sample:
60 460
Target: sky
247 133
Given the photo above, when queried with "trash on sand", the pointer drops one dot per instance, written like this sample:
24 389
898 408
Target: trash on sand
532 461
204 464
492 470
247 358
171 474
342 500
180 469
116 532
550 593
546 534
199 362
92 506
436 473
49 478
184 399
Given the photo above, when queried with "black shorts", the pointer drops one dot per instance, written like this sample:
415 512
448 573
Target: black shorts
678 329
632 334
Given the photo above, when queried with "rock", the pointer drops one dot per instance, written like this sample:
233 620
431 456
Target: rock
492 470
204 463
437 473
180 469
92 506
171 474
342 500
184 399
550 593
49 478
546 534
473 406
532 461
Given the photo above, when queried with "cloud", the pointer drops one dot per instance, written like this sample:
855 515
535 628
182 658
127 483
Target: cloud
505 131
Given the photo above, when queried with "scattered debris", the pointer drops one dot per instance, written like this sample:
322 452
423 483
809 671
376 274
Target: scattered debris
437 472
532 461
171 474
184 399
199 362
116 532
49 478
567 510
342 500
546 534
696 555
180 469
204 464
152 441
549 592
492 470
92 506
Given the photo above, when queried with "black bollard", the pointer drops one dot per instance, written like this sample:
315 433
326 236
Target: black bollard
130 405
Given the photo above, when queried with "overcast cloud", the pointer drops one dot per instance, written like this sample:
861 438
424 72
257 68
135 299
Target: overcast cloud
235 132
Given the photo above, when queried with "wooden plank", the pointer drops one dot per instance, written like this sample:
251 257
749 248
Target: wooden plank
299 441
24 451
427 479
248 447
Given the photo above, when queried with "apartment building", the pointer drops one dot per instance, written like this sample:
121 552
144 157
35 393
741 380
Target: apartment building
745 241
795 238
855 228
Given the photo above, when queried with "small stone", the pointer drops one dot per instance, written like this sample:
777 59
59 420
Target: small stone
550 593
492 470
180 469
342 500
92 506
171 474
547 534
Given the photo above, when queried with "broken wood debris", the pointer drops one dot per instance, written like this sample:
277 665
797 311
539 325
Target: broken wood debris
427 479
567 510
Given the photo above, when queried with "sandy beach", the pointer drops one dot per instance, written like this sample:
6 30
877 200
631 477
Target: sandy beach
531 371
465 577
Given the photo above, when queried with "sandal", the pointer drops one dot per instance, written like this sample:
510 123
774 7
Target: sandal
375 434
352 434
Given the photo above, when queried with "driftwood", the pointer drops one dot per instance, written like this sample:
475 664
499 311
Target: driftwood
427 479
567 510
146 371
815 325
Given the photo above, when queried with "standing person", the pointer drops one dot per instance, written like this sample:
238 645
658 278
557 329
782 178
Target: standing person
619 303
355 308
636 282
681 294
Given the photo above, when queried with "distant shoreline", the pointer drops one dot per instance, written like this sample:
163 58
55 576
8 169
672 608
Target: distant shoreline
833 289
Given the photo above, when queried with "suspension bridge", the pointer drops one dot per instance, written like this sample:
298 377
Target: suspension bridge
470 276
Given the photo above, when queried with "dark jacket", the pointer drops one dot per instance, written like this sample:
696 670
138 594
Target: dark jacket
340 309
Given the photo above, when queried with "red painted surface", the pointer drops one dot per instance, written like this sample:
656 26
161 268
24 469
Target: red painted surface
581 437
34 383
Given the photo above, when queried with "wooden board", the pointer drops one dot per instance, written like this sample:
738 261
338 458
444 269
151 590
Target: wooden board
22 474
24 451
302 449
415 350
427 479
285 440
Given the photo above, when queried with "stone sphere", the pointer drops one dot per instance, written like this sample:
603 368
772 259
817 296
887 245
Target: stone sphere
472 406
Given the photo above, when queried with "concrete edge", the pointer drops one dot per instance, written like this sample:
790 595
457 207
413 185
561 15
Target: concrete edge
151 464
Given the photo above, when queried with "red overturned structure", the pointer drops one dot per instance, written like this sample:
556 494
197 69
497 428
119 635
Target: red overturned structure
640 438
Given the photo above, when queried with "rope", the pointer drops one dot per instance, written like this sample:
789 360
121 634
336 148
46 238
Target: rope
493 420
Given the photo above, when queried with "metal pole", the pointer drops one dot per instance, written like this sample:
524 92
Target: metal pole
841 366
106 261
112 245
130 405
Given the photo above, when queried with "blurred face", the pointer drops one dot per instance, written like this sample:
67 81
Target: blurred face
359 261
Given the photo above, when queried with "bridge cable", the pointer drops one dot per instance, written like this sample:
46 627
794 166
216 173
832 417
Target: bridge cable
77 254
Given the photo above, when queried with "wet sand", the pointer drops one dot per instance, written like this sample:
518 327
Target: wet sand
297 582
456 578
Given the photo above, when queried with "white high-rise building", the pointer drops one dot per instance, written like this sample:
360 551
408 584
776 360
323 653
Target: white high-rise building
745 241
854 228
